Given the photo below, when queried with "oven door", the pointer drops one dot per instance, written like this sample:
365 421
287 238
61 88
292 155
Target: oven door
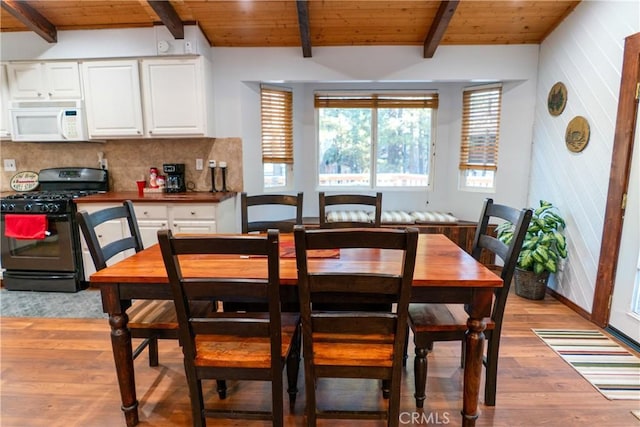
53 253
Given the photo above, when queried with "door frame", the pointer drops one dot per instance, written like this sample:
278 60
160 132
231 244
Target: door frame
618 181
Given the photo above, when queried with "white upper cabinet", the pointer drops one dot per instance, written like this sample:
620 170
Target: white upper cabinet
112 98
174 97
49 80
5 127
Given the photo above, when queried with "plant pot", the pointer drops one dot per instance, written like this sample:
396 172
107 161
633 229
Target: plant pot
531 285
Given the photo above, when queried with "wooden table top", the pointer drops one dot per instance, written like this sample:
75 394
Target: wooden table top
439 262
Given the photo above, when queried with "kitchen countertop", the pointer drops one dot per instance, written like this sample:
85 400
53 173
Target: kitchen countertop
188 197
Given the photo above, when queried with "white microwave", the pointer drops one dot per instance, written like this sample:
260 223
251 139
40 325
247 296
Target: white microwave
37 121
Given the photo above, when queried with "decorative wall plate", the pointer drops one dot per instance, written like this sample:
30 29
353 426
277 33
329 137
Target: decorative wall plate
557 99
577 134
24 181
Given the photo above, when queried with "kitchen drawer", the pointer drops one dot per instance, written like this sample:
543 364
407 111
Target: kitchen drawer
151 211
189 211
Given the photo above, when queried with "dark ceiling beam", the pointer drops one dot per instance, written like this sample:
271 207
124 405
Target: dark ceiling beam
439 26
169 17
303 23
32 19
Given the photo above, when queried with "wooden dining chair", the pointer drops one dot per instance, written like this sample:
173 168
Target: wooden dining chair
350 218
253 203
448 322
233 345
361 343
149 320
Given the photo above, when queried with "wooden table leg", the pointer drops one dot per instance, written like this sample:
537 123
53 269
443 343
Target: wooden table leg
472 371
123 357
476 325
116 308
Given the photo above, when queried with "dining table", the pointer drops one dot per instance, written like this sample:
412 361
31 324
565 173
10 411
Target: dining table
444 273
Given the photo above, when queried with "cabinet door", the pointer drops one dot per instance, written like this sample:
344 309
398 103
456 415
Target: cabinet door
49 80
5 127
62 80
112 98
149 231
174 97
26 80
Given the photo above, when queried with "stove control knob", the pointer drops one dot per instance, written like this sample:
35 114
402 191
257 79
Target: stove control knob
11 207
54 207
3 207
43 208
28 208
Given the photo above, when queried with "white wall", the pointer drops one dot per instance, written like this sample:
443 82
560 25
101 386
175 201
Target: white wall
585 53
237 72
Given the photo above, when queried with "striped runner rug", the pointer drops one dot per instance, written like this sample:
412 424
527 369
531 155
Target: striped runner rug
610 368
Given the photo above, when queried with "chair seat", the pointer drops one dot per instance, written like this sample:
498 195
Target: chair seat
441 318
252 352
160 314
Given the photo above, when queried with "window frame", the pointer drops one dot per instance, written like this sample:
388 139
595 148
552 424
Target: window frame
432 103
467 130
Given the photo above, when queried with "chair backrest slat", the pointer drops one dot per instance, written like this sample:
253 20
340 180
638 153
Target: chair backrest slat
242 326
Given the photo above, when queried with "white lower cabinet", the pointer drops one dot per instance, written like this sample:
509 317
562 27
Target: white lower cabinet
151 217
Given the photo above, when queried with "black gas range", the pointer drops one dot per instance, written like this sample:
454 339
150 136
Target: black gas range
40 237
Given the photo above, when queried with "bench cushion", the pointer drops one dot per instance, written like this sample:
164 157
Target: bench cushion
394 217
431 217
348 216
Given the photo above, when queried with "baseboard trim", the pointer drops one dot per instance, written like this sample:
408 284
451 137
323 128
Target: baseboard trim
573 306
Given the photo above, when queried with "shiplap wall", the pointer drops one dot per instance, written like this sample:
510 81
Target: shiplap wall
585 53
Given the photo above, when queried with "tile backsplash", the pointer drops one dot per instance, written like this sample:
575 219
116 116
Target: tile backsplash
130 160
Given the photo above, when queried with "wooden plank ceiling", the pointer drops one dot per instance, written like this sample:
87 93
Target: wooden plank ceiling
303 23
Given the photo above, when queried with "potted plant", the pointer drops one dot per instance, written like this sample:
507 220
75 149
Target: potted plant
543 247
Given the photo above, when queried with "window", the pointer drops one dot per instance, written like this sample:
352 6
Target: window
375 140
276 110
480 136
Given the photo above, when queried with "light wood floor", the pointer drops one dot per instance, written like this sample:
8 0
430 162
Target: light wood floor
59 372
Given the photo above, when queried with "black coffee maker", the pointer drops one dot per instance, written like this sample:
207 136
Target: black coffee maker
175 178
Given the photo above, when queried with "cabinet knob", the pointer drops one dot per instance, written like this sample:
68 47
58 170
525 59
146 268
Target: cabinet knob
50 94
193 213
39 94
145 213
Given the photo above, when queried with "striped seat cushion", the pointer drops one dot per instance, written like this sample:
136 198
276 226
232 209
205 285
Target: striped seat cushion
348 216
426 217
393 217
